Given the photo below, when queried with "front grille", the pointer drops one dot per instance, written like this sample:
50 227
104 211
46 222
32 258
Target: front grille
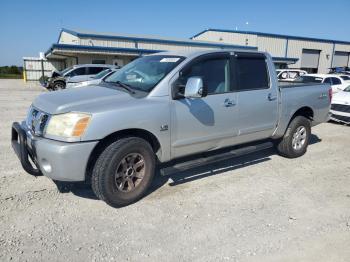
36 121
341 118
340 108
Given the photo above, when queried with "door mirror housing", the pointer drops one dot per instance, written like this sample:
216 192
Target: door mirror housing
194 88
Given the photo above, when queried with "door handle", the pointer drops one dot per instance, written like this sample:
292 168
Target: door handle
229 103
270 97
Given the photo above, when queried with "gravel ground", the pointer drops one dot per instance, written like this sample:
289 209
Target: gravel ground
260 207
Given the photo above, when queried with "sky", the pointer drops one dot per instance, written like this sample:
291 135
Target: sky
31 26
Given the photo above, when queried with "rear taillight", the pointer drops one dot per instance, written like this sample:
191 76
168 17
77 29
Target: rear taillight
330 94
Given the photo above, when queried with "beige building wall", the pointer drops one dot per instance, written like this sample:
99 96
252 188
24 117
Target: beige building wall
228 38
68 39
295 48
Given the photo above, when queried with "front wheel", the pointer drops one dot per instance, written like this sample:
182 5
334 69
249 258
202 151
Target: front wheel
296 139
59 85
124 171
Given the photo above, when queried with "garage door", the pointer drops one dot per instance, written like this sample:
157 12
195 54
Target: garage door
310 58
340 59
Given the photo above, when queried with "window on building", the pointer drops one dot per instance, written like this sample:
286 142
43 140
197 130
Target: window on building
252 73
98 61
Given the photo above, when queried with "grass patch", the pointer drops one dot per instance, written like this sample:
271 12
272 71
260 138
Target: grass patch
10 76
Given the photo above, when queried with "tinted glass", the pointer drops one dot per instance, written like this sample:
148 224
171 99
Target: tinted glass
252 73
336 81
215 74
346 78
78 72
327 80
95 70
309 79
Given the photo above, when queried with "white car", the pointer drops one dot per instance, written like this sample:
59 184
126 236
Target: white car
337 82
289 74
340 107
93 80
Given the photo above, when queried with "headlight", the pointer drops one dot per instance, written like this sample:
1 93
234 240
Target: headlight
69 125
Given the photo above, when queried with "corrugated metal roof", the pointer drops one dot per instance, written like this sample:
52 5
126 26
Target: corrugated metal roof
273 35
153 39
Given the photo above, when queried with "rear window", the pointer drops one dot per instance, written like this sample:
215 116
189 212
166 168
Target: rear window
252 73
309 79
346 78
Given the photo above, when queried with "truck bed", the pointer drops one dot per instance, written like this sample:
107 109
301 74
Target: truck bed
296 95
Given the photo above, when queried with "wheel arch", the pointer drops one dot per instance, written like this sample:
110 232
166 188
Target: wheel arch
305 111
103 143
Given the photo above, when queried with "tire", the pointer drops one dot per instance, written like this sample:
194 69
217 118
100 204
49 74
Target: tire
59 85
121 162
296 139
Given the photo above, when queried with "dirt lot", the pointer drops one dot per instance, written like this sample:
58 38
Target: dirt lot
260 207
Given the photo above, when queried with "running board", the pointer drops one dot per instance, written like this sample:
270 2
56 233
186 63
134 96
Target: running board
180 167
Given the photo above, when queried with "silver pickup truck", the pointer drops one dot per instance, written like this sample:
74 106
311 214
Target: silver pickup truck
158 110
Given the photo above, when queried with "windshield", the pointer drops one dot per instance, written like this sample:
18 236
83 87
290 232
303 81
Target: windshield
346 78
102 74
309 79
146 72
65 70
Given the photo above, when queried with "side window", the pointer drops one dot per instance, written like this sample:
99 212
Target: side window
327 80
78 72
94 70
215 74
252 73
336 81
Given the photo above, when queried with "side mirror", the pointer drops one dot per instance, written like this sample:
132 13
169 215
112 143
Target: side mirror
194 88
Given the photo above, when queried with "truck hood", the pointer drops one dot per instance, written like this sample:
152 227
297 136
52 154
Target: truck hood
341 97
87 99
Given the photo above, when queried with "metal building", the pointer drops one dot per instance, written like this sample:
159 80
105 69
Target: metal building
312 54
81 47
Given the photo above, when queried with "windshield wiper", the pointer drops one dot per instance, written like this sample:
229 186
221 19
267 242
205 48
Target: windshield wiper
125 86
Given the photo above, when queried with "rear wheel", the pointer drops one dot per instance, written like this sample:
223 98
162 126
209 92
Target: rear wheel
124 171
296 139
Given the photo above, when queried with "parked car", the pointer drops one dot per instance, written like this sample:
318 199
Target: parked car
93 80
289 74
75 73
338 82
160 108
344 70
340 108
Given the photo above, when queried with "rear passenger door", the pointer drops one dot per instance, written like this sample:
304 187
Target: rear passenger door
257 98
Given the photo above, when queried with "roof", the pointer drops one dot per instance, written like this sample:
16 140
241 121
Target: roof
135 51
273 35
153 39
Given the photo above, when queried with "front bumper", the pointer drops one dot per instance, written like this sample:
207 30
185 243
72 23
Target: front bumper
57 160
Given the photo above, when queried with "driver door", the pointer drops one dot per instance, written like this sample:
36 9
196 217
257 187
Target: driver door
207 123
